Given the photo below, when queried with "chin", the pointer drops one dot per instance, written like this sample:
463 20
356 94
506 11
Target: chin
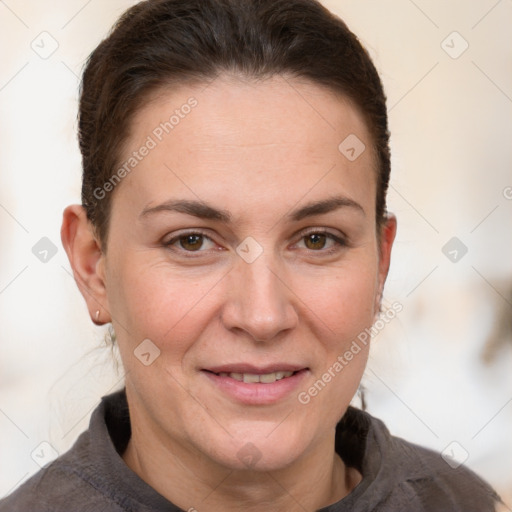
258 451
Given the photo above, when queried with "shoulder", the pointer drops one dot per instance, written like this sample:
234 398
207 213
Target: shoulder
57 488
83 479
407 473
439 484
406 476
60 487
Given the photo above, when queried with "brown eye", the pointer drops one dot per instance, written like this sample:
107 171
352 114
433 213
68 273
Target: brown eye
322 242
315 241
191 242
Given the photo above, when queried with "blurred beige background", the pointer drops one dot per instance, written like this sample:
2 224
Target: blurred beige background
440 372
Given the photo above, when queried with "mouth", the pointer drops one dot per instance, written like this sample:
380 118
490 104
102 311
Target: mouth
257 385
252 378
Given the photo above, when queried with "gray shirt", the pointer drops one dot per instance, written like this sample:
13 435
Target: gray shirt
397 475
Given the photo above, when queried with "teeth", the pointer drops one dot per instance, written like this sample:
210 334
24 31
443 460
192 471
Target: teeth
266 378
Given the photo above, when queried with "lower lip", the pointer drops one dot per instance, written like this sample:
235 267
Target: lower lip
257 393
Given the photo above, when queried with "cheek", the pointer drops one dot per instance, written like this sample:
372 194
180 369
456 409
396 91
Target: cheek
343 301
345 309
355 309
152 301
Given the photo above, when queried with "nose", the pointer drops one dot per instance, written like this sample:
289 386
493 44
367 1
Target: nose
259 301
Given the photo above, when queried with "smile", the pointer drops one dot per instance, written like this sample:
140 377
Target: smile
266 378
252 385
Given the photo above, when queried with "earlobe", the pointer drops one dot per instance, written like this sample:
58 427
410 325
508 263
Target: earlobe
86 259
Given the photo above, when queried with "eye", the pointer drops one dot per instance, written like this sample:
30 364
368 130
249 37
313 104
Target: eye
315 241
321 241
191 242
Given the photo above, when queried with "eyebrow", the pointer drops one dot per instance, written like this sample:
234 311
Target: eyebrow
324 206
191 207
204 211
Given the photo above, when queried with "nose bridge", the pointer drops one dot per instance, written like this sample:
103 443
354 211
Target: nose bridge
263 287
260 303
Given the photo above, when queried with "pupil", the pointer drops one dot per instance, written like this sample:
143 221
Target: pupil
316 241
191 242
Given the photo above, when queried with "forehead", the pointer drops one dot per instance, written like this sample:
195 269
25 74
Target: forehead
238 139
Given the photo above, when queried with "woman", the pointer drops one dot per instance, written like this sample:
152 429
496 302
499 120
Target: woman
233 229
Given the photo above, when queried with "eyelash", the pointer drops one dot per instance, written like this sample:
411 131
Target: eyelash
340 242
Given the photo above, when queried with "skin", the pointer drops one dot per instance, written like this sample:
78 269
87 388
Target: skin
258 150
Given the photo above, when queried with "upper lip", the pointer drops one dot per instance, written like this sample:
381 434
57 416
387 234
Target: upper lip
255 370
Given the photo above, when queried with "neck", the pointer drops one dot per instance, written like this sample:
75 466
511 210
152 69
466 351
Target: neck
191 480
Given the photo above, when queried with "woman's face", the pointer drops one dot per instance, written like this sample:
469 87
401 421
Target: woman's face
243 246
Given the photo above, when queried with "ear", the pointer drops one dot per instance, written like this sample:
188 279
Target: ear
387 237
87 261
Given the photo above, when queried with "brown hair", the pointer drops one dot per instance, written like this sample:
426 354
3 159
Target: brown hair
157 43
